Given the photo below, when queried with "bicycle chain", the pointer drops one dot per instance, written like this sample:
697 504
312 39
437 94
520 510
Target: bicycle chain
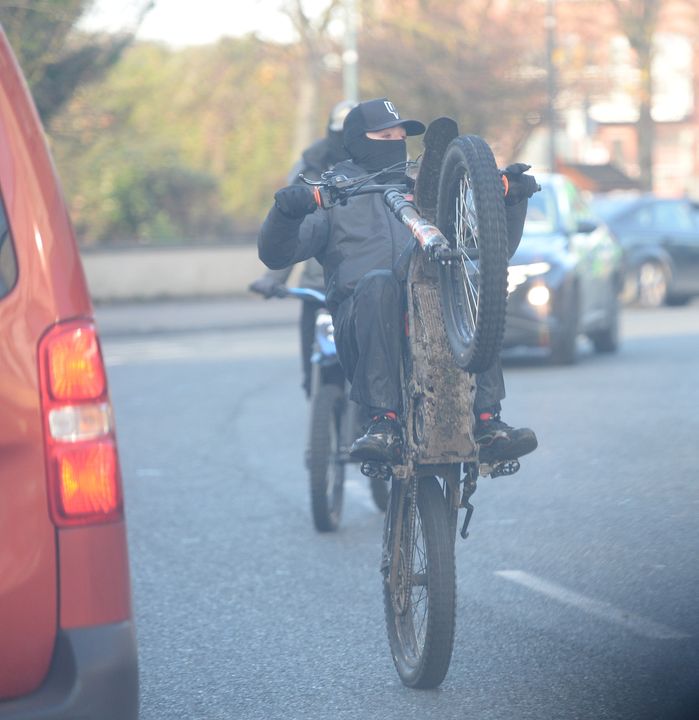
403 592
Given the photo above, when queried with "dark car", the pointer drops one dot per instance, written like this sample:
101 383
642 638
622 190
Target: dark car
564 279
660 241
67 638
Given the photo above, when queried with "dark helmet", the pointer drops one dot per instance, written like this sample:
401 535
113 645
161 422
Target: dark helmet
338 115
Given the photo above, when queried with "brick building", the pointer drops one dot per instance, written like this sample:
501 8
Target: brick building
599 83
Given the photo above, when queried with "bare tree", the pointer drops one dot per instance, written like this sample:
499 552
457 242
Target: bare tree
314 43
466 60
639 20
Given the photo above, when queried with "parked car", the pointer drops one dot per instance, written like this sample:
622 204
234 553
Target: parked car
660 241
67 640
564 279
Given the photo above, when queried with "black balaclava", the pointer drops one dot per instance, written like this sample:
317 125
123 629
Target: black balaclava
375 155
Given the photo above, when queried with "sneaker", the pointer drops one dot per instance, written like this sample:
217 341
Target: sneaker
498 441
381 442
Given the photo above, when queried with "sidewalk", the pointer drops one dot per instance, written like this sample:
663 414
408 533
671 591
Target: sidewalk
174 316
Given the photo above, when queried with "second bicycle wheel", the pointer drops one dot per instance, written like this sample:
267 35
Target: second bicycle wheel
471 215
325 462
379 491
420 610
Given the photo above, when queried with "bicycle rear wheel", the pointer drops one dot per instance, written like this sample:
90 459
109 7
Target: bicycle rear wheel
325 462
471 215
379 491
420 610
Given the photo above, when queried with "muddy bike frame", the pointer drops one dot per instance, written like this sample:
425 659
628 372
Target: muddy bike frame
439 468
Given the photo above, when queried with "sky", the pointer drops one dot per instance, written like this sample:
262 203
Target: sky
186 22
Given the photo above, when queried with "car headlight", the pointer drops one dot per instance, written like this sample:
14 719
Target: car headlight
519 274
538 296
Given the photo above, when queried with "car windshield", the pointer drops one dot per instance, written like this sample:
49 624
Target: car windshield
541 213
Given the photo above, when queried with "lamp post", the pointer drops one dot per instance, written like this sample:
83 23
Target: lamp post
349 54
550 26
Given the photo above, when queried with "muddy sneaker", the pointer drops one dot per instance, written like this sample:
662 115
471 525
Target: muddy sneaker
498 441
381 442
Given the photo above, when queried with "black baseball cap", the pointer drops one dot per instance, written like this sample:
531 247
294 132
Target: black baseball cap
375 115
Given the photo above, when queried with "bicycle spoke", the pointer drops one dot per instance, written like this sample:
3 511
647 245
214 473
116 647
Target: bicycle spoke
465 229
412 625
421 631
470 289
418 601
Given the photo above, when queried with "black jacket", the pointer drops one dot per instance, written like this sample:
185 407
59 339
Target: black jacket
350 240
322 155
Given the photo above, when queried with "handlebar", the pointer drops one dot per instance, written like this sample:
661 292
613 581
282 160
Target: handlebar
332 190
282 291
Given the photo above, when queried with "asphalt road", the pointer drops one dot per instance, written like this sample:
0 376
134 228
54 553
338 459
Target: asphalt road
577 588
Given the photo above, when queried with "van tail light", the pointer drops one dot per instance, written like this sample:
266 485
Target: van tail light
81 453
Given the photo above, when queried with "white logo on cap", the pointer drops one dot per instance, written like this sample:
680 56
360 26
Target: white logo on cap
391 108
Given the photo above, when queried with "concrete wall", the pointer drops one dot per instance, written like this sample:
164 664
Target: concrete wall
170 272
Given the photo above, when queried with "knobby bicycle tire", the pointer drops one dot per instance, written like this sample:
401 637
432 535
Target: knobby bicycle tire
326 468
422 636
471 215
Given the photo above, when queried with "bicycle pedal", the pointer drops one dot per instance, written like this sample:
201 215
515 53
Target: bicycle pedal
504 467
373 469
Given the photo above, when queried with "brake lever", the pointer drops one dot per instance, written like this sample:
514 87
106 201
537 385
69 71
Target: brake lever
331 189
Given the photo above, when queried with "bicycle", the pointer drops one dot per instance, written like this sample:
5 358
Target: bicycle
333 425
455 313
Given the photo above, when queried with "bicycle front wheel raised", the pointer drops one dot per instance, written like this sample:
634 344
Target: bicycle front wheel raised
471 215
420 608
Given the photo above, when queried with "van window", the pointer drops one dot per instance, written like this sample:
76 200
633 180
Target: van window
8 261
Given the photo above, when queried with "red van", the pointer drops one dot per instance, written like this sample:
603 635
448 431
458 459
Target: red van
67 638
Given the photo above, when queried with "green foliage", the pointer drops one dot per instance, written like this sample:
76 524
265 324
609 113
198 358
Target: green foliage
55 58
190 145
186 145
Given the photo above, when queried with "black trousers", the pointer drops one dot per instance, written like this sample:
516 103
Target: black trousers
368 330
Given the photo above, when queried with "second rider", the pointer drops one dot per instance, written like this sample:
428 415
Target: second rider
364 251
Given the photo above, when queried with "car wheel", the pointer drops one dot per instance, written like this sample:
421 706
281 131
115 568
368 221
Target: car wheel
607 339
652 285
564 340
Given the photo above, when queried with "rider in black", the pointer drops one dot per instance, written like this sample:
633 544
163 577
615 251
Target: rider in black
364 251
322 155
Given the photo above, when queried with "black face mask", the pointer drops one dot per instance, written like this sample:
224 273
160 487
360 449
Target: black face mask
375 155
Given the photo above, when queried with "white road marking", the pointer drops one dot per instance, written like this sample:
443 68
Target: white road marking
635 623
149 472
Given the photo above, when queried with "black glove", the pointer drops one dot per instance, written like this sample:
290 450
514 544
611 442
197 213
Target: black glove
519 185
295 201
267 286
